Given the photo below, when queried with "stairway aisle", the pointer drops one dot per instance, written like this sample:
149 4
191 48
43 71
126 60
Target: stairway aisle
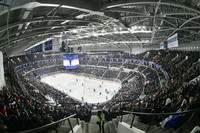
94 128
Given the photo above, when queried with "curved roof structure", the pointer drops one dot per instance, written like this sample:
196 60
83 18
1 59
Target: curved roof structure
98 23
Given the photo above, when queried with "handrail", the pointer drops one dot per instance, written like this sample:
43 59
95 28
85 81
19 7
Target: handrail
195 129
171 113
158 114
48 125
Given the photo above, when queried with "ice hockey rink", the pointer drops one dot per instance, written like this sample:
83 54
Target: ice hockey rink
83 89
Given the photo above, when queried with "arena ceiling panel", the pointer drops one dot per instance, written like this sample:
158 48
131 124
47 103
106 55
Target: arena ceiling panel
99 23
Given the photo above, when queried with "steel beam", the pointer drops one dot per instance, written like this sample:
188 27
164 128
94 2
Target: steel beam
39 28
163 17
125 10
3 28
170 23
179 28
145 2
133 24
73 4
154 21
27 36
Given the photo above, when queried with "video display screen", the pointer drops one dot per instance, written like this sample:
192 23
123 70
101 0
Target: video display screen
71 61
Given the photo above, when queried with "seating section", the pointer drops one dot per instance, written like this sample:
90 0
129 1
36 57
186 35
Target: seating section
167 86
111 74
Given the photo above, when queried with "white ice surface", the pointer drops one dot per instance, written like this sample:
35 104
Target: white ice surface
80 86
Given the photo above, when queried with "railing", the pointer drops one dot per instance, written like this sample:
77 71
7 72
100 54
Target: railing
157 114
195 129
50 125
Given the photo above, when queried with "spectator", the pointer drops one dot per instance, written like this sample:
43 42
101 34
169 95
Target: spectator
100 117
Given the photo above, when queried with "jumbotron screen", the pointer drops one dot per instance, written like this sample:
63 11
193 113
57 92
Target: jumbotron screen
71 61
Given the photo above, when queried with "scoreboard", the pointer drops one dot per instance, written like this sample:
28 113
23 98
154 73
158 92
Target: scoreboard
71 61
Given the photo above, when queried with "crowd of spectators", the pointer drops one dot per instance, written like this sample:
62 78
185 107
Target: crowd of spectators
111 74
193 72
178 92
122 75
21 112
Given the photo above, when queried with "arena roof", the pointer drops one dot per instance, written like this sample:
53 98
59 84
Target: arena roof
113 23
